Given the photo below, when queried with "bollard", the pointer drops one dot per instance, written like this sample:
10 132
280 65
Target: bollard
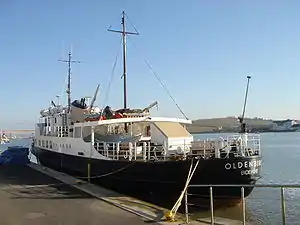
211 206
282 205
186 208
89 172
243 205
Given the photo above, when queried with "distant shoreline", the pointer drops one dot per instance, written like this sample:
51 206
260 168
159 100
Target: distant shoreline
215 132
232 125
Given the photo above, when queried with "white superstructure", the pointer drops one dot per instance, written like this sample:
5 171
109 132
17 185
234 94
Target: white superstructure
107 139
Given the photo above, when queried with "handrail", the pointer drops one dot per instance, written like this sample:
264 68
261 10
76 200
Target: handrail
247 185
129 151
202 148
242 186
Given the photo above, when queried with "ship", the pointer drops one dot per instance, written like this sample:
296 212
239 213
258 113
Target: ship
138 154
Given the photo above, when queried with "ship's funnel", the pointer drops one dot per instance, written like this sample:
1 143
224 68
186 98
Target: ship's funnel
78 110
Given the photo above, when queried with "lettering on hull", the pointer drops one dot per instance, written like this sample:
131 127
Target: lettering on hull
246 167
249 172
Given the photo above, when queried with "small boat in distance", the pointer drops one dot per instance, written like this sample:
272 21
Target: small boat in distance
4 139
133 152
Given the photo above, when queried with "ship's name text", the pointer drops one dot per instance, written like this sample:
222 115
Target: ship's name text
243 165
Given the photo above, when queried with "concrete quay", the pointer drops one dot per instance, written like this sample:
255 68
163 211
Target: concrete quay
29 197
37 195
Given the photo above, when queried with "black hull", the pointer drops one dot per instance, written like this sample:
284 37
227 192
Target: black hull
161 182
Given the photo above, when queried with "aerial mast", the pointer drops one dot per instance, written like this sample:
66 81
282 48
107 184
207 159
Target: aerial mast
124 33
68 91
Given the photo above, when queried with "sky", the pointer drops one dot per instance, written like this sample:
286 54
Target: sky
202 51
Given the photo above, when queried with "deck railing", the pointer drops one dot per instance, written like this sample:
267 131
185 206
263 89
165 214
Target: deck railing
228 147
130 151
244 145
243 200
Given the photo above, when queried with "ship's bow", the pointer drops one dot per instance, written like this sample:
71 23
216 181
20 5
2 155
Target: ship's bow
227 177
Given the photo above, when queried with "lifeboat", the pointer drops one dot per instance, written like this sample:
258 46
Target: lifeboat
118 116
95 118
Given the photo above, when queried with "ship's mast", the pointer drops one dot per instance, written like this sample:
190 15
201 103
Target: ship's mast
69 61
124 33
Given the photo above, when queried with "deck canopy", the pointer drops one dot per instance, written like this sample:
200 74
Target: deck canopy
132 120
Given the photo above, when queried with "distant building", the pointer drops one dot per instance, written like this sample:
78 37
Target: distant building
284 125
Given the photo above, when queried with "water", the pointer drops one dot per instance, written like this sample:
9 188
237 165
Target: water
26 142
281 155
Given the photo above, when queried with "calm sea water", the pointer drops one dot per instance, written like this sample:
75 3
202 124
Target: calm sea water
281 164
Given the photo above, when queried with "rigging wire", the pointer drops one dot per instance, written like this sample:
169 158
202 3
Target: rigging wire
110 26
161 83
127 17
111 76
63 90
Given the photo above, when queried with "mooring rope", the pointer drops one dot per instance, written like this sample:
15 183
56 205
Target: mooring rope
107 174
170 216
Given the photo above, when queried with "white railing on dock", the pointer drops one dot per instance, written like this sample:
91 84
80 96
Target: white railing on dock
282 188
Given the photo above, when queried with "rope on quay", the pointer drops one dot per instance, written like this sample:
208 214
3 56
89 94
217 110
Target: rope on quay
104 175
170 216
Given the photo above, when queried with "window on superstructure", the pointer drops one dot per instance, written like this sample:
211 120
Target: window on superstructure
40 143
46 144
50 144
43 143
55 120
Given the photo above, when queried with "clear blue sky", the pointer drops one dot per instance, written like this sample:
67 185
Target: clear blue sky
202 50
